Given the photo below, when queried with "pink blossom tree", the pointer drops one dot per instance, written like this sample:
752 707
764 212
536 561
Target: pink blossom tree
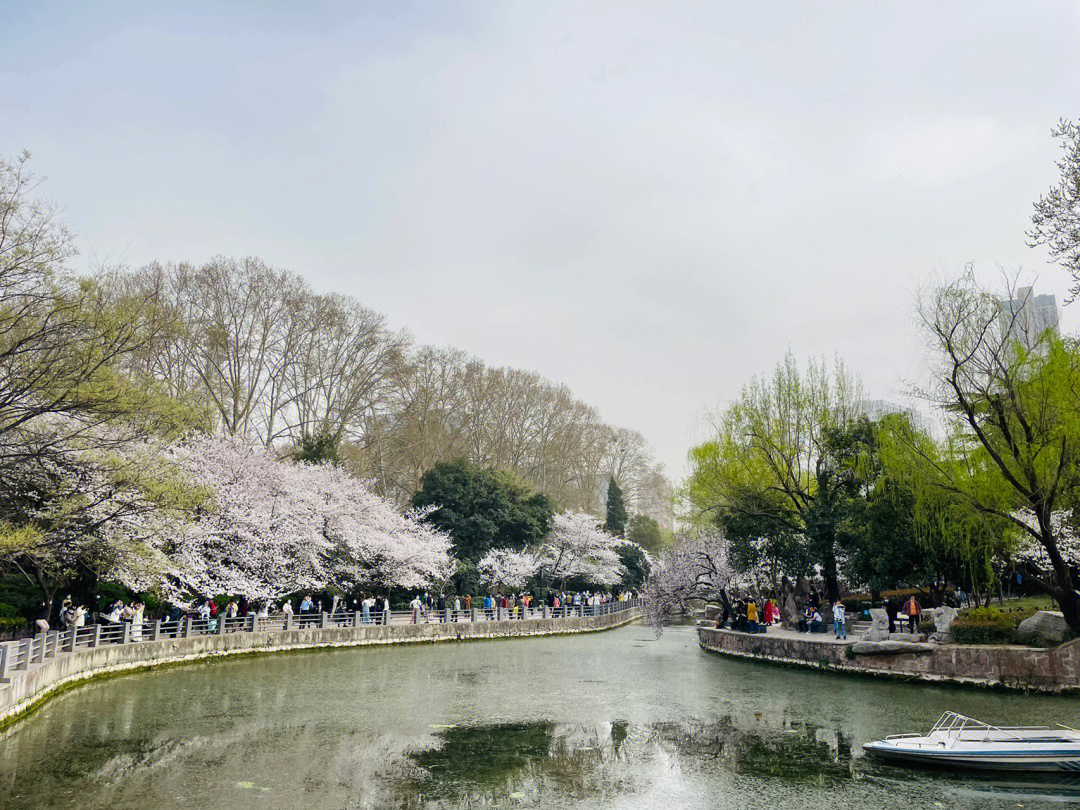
695 567
578 546
277 527
504 567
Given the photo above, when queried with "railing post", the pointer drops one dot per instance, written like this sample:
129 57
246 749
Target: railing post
155 630
185 631
386 617
7 651
288 621
473 616
36 651
322 619
70 646
547 612
221 624
95 638
357 618
125 637
29 644
446 615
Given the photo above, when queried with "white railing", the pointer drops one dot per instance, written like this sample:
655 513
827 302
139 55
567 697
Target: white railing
23 654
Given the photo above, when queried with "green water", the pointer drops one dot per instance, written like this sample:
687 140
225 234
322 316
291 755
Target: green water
608 720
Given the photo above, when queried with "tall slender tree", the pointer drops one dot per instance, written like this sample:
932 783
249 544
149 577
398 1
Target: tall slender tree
616 509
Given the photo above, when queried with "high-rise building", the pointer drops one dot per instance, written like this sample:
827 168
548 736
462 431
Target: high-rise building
1031 316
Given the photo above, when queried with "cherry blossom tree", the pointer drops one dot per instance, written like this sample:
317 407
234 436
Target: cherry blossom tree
578 546
506 567
277 527
1032 555
695 567
101 507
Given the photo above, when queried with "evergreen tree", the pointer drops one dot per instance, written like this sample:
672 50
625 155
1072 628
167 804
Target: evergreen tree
616 509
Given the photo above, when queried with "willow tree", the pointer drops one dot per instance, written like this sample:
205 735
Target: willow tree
1011 401
760 477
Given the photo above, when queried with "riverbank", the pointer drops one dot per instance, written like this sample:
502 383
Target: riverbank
29 688
1054 669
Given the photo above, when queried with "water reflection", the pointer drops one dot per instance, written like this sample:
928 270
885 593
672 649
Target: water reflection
526 760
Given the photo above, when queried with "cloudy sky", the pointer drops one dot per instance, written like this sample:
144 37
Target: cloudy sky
649 202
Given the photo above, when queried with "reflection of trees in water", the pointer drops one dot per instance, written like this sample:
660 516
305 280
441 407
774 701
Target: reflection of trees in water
128 764
531 760
794 751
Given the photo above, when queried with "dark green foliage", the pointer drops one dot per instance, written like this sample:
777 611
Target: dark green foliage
471 758
616 509
319 448
637 567
762 539
647 533
984 626
483 509
22 596
466 579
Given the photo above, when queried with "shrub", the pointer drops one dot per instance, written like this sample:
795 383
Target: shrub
984 626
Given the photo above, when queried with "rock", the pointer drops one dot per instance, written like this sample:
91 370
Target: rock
712 612
943 620
1046 628
826 612
790 611
908 637
879 626
889 647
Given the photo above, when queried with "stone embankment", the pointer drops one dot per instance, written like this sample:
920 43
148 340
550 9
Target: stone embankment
23 688
1054 669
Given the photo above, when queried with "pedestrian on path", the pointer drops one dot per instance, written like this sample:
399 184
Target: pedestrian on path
913 610
839 620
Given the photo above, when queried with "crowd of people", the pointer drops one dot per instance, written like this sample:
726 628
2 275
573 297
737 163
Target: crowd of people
745 616
372 609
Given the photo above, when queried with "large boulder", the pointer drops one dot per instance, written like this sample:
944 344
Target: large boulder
712 612
1046 628
879 626
889 647
790 611
943 621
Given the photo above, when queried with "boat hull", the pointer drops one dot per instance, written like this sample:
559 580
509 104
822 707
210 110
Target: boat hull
1041 761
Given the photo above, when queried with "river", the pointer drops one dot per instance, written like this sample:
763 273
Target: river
618 719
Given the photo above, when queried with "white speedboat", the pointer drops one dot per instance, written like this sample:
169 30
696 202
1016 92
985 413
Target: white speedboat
956 741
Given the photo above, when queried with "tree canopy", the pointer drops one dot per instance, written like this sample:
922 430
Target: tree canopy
482 509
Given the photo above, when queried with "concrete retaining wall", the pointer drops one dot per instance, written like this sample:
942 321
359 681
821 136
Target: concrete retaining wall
1056 669
25 689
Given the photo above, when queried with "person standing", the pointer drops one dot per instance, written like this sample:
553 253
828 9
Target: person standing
751 616
415 606
42 620
365 607
890 611
137 621
913 610
839 620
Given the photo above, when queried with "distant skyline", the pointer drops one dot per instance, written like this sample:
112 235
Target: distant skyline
650 202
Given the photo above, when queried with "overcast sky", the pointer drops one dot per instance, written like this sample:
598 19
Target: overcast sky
648 202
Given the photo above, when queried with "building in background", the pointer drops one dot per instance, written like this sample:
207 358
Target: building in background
1030 316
